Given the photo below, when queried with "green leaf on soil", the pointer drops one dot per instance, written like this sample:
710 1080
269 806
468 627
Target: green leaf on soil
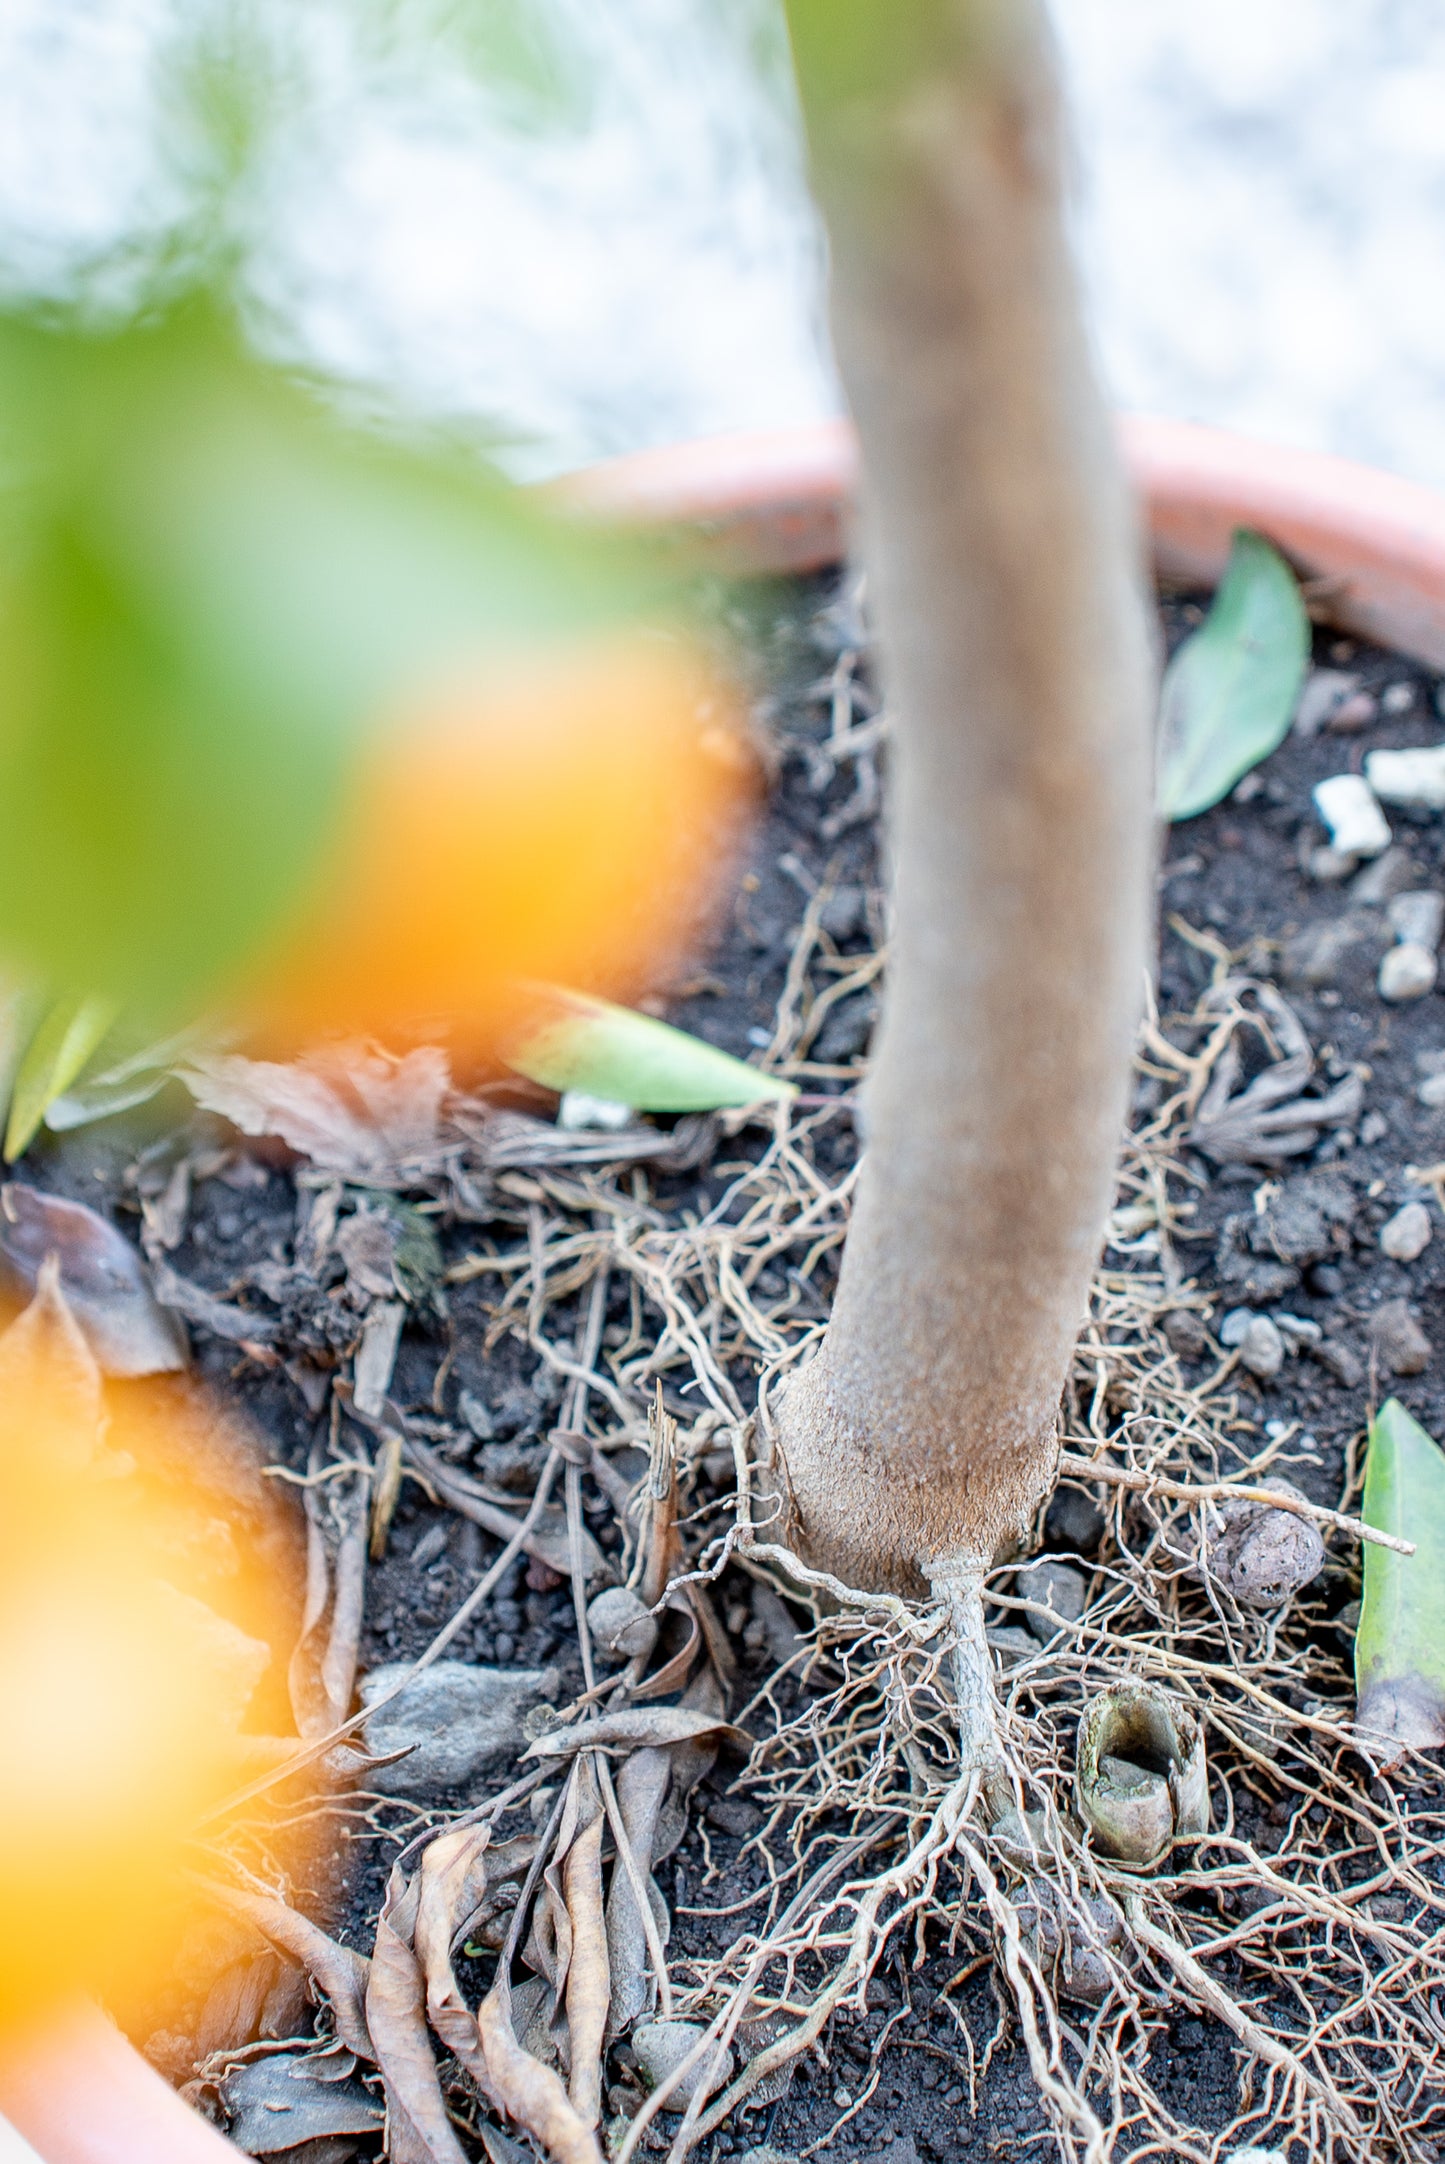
1400 1644
589 1045
71 1032
1230 691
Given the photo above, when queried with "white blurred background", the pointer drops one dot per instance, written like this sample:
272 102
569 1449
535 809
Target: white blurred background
625 254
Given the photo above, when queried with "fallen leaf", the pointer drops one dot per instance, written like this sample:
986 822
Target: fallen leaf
376 1356
588 1982
418 2130
119 1086
641 1786
1400 1643
70 1033
104 1280
1229 693
526 2090
548 1540
278 2101
452 1888
52 1404
636 1727
339 1971
512 1141
575 1042
358 1113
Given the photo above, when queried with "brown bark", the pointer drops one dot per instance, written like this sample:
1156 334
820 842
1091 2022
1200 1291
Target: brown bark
1017 667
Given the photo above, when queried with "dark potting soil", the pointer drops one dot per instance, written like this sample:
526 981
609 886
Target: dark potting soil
1301 1240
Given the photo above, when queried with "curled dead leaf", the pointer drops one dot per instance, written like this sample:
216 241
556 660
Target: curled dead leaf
530 2093
338 1971
418 2130
636 1728
588 1981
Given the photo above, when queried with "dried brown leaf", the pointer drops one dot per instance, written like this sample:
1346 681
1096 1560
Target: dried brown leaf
418 2130
641 1786
359 1113
105 1282
453 1886
339 1971
529 2092
637 1728
588 1981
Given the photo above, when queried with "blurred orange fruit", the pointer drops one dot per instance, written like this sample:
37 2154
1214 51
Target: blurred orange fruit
566 820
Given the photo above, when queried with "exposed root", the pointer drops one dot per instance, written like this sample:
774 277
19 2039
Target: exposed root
915 1762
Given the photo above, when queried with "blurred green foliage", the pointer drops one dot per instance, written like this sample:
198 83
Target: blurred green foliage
209 585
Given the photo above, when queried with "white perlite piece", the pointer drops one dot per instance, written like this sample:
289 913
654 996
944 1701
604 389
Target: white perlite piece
1407 973
1358 827
578 1111
1432 1091
1414 778
1407 1235
1417 917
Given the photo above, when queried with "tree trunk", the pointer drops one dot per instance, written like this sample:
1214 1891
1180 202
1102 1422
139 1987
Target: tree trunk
1018 673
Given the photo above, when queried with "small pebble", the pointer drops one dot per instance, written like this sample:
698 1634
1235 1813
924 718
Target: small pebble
1346 803
1343 1364
1412 778
1417 917
429 1547
1432 1091
1298 1331
1397 698
1053 1585
620 1624
660 2046
1262 1349
1073 1520
1407 972
1327 867
1400 1343
1324 692
1373 1128
1351 715
1389 875
453 1720
1186 1333
1407 1235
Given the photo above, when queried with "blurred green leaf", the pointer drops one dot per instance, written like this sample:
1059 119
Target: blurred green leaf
209 589
1230 691
121 1084
1400 1644
70 1034
610 1052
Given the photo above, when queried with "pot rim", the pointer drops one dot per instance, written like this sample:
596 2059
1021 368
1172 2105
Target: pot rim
773 501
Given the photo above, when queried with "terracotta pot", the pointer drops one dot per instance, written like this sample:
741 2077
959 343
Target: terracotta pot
80 2094
782 500
779 502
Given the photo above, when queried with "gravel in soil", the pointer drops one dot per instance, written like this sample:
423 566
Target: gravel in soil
1300 1240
